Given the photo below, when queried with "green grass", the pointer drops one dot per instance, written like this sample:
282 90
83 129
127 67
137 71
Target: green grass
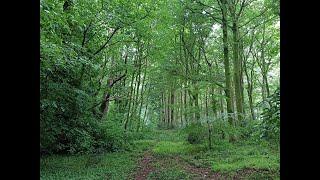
176 148
105 166
224 157
229 158
240 156
263 175
169 174
170 168
238 162
142 145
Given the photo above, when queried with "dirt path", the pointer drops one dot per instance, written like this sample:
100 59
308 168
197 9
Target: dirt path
146 165
199 172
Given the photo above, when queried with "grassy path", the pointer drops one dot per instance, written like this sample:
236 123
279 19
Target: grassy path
166 155
171 157
151 166
145 166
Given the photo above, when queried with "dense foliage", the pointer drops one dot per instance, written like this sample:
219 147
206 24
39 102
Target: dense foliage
271 117
110 71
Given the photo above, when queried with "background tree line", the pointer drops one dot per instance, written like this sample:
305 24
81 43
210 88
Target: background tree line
110 70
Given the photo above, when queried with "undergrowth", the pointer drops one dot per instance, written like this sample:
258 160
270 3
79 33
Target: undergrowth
104 166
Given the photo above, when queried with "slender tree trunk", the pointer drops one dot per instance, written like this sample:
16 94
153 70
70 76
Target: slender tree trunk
197 108
241 56
213 102
208 123
141 95
162 112
266 84
249 89
221 104
229 99
181 108
237 71
168 110
105 105
129 100
185 107
172 109
263 67
136 101
145 115
165 109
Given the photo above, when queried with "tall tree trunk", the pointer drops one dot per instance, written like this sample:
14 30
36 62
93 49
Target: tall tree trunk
241 59
263 67
249 89
129 100
237 71
214 103
229 99
197 108
185 106
145 116
181 107
136 101
163 111
169 109
266 84
172 109
208 123
105 105
221 104
141 95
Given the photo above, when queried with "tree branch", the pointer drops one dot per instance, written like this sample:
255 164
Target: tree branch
216 19
85 34
113 81
201 3
108 40
241 7
264 11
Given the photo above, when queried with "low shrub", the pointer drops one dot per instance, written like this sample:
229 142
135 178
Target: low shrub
196 133
111 136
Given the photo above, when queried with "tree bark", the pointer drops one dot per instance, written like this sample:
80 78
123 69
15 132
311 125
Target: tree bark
249 88
237 71
105 103
172 109
229 99
129 101
208 123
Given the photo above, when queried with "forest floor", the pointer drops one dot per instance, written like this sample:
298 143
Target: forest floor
167 156
155 166
170 157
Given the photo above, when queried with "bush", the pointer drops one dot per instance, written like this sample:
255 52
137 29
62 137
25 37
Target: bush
196 133
111 136
81 141
270 124
65 126
222 130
